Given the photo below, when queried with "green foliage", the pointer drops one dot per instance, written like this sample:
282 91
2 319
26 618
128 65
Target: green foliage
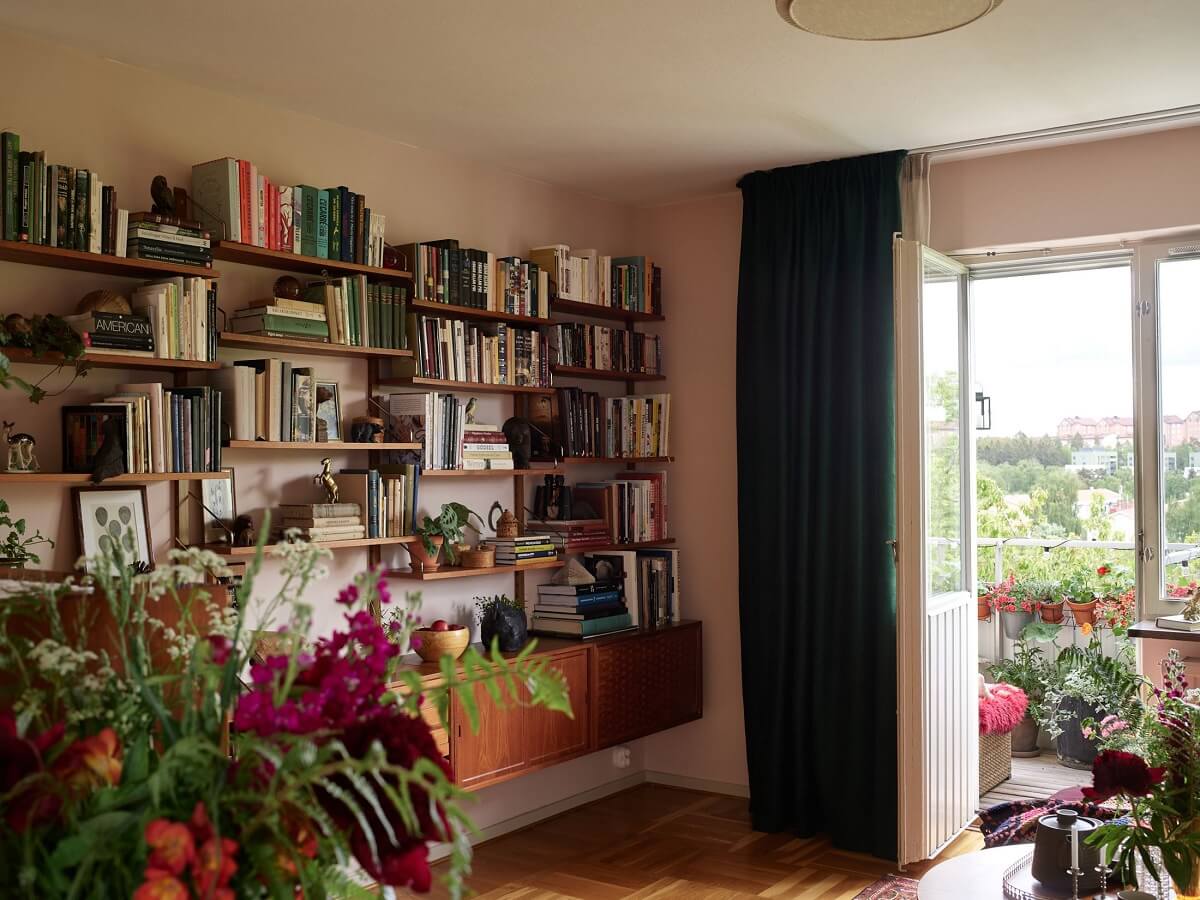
449 526
1028 669
1109 684
41 335
1045 451
15 544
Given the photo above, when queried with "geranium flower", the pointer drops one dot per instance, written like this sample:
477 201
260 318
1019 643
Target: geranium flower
1086 629
1102 571
160 885
213 866
171 845
91 762
1117 772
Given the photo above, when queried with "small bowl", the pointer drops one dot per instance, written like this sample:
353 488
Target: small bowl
436 644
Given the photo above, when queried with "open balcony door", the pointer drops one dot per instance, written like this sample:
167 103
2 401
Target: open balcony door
936 633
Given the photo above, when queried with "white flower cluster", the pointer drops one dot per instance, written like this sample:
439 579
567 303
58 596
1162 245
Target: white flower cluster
60 660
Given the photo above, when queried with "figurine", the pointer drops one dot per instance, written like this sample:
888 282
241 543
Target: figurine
506 526
366 430
21 457
243 531
19 327
519 434
472 406
110 458
325 480
163 196
287 288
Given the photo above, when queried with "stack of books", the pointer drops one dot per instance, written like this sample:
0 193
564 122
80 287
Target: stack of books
239 203
284 318
183 316
485 447
55 205
584 276
340 521
610 349
168 239
521 551
581 611
577 535
633 427
443 272
496 353
650 582
105 332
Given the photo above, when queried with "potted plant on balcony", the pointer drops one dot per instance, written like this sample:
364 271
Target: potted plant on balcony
983 607
1029 670
1049 599
1114 595
1079 593
1014 604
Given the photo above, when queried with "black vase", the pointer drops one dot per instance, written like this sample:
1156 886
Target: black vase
506 623
1074 750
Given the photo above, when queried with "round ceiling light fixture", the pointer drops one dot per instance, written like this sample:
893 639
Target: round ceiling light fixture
882 20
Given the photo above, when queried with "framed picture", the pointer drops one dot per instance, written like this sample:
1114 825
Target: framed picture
329 410
220 509
84 430
108 516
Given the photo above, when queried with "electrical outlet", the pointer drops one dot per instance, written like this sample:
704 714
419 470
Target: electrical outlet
622 757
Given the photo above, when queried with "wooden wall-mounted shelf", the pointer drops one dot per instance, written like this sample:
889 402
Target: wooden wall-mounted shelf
224 550
108 360
323 446
635 545
603 374
470 312
1149 629
86 478
595 460
488 473
464 387
96 263
459 572
249 255
596 311
306 348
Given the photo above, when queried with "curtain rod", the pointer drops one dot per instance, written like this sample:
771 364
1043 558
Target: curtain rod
1163 118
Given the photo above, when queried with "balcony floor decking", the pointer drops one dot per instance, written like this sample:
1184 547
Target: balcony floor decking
1035 778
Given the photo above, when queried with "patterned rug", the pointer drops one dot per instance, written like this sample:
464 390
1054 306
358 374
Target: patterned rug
892 887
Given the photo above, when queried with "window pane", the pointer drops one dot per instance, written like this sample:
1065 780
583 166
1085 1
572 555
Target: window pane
1179 311
940 348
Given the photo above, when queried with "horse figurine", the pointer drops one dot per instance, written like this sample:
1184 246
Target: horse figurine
325 480
21 457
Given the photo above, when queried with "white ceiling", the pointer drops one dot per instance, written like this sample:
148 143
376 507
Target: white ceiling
649 101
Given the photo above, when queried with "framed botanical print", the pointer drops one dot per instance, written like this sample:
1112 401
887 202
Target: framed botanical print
220 508
329 410
108 518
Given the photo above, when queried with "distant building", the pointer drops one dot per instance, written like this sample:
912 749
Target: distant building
1095 459
1110 429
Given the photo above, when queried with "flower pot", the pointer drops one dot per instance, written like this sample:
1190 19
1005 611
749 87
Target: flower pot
1052 613
422 561
983 610
507 624
1189 891
1084 613
1074 750
1015 622
12 562
1025 739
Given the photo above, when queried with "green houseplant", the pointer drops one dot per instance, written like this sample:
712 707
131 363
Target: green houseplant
1079 592
1028 669
14 549
1050 599
444 531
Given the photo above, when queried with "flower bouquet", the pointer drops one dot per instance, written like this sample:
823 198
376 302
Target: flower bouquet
154 749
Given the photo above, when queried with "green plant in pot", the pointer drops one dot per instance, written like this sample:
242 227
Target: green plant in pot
435 533
502 620
1049 598
1079 593
1028 669
1017 609
14 549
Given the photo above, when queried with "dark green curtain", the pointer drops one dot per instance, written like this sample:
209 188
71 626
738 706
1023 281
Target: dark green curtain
816 498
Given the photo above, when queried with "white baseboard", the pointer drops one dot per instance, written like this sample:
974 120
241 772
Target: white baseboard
698 784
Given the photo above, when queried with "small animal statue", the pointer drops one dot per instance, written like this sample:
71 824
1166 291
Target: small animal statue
472 407
325 480
243 531
163 196
21 457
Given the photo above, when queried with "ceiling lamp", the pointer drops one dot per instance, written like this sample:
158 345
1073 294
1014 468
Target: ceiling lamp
882 20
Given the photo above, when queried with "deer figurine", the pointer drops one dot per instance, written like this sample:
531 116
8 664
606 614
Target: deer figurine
325 480
21 457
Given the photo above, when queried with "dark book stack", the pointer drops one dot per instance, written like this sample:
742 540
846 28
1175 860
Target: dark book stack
54 205
601 347
114 332
487 353
443 272
168 239
581 611
576 535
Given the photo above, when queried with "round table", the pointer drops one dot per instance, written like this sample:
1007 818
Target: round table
972 876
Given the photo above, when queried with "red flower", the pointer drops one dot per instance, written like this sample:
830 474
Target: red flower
160 885
1116 772
214 866
1102 571
20 758
171 845
91 762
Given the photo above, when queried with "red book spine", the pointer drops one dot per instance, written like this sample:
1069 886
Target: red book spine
244 192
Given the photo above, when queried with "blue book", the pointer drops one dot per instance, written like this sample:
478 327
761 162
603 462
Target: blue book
322 225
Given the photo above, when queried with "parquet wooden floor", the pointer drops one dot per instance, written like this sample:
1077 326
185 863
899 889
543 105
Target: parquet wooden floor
653 842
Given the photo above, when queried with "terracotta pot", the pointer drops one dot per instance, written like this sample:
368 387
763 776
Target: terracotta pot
984 611
1025 739
1189 891
421 560
1084 613
1052 613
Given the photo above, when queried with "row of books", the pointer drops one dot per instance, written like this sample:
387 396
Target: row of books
523 550
601 347
486 353
166 239
437 421
55 205
634 506
582 611
443 272
275 400
160 429
172 319
584 276
235 200
632 589
577 535
633 427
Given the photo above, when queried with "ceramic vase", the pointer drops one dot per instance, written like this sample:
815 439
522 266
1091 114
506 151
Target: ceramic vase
506 623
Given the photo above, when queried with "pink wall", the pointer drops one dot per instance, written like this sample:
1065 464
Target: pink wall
1084 190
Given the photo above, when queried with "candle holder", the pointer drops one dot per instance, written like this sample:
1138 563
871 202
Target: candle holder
1074 872
1102 870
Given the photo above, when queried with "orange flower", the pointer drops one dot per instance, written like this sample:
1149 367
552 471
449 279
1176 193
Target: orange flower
214 866
91 762
171 845
1086 628
160 885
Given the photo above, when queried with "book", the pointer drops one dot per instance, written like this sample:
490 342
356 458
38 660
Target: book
320 521
1177 623
338 533
308 311
282 324
320 509
599 586
599 611
582 628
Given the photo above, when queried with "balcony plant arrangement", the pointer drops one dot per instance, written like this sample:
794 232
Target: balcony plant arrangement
1050 600
1079 594
1029 670
983 608
1152 767
137 763
444 531
1016 607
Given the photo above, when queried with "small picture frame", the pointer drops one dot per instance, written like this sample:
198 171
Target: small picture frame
220 507
107 514
329 411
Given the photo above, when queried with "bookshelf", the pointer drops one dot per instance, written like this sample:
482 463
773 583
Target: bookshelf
598 460
444 571
305 348
86 478
281 260
357 543
96 263
596 311
321 446
466 387
110 361
489 473
604 374
469 312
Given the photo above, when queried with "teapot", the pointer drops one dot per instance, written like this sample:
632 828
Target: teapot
1052 851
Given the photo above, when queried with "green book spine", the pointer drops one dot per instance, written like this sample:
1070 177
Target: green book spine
290 325
334 244
376 334
308 220
389 324
401 294
603 625
10 145
323 224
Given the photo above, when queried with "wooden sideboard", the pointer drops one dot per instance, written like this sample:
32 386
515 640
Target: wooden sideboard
622 687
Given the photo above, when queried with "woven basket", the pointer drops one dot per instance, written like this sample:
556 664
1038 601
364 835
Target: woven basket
995 760
477 558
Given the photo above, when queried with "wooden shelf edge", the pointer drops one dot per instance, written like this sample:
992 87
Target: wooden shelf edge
106 360
637 545
250 255
1148 629
97 263
464 387
604 374
86 478
469 312
596 311
489 473
224 550
610 460
458 572
323 446
233 340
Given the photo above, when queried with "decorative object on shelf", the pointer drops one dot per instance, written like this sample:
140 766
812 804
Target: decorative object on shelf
1061 845
326 482
519 434
553 500
104 301
440 638
393 258
471 410
423 554
113 523
573 573
444 531
39 335
366 430
503 620
21 450
243 531
14 549
162 196
18 327
220 508
329 412
287 287
111 455
507 526
480 557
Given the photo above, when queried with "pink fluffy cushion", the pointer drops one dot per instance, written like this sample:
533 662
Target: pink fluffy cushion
1001 709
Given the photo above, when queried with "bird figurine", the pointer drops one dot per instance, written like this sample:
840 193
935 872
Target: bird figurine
162 195
110 458
325 480
472 407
